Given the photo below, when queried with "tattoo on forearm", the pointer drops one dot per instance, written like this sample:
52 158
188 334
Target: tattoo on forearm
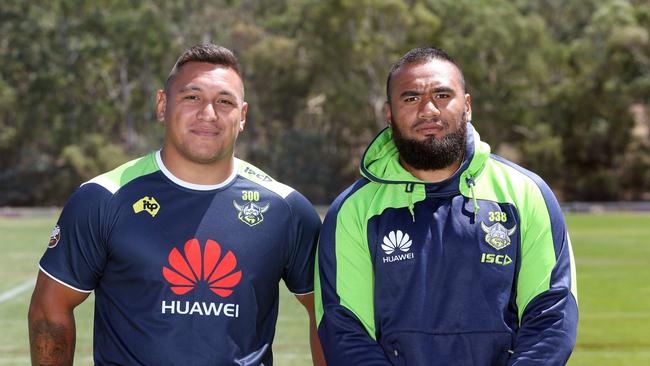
51 344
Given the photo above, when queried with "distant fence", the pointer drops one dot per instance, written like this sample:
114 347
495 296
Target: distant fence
29 211
593 207
641 206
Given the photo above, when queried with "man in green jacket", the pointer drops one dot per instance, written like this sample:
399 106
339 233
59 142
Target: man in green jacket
443 254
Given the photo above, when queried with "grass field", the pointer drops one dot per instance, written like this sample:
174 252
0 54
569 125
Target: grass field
613 262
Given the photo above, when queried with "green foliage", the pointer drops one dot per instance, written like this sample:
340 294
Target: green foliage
594 99
553 82
74 69
92 156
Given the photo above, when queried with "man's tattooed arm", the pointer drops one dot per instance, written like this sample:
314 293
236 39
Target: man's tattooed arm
52 330
51 343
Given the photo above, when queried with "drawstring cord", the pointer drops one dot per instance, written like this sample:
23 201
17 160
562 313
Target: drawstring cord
471 184
409 190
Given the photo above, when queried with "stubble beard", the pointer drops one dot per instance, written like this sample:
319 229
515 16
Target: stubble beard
199 150
432 153
206 156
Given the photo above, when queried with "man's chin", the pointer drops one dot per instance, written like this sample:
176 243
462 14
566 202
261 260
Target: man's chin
205 157
433 136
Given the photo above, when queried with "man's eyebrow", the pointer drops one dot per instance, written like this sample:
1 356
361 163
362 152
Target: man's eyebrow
187 88
414 93
443 89
226 92
409 93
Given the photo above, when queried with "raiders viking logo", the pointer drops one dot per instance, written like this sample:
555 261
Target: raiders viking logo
497 235
251 213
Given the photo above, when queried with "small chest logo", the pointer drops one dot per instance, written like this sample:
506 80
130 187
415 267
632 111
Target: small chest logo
147 204
250 212
398 244
497 235
258 175
54 237
396 240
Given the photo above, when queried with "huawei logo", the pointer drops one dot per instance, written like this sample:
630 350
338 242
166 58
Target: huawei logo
210 267
396 240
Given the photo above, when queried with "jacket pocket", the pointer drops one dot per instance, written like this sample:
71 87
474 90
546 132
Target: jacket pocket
458 349
394 353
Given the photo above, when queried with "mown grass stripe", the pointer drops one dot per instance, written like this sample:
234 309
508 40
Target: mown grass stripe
8 295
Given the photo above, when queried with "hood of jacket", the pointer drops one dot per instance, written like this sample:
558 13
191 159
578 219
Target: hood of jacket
380 163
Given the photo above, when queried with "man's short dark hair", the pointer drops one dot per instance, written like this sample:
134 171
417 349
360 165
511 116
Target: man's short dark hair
422 55
207 52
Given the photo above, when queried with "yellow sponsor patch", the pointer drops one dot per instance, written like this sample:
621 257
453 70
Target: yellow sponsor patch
148 204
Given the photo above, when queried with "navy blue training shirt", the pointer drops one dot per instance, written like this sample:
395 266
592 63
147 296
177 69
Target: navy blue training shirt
183 274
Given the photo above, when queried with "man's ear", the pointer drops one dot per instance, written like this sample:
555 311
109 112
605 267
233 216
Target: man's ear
161 105
242 120
468 106
388 114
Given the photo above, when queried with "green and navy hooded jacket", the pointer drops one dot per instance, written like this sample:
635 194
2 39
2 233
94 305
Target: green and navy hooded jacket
473 270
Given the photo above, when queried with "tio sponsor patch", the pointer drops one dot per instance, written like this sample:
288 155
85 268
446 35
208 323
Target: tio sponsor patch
54 237
147 204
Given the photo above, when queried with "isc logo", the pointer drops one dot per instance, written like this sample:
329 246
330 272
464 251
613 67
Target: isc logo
263 177
502 259
148 204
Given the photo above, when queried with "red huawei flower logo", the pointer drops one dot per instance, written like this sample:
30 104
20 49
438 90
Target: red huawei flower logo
187 270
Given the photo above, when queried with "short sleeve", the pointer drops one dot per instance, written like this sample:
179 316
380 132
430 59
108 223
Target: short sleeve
76 253
299 269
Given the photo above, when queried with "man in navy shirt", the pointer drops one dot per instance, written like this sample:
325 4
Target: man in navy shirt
184 247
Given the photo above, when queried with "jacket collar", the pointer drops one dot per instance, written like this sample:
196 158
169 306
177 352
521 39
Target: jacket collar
380 163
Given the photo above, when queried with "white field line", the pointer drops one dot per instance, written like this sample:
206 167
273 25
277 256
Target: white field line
617 314
26 360
8 295
608 353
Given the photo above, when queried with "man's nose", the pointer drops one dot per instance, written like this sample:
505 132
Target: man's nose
428 109
207 113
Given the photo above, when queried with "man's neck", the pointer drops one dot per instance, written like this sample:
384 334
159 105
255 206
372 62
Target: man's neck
198 173
432 176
